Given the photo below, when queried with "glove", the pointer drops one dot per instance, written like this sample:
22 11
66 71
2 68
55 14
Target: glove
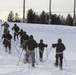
46 45
53 45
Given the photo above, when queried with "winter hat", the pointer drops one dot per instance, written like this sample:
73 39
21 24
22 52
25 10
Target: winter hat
31 36
59 40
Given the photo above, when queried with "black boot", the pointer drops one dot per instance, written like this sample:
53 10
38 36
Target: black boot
9 52
41 59
60 67
5 49
56 64
33 65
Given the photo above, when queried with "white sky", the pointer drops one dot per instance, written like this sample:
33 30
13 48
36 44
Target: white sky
37 5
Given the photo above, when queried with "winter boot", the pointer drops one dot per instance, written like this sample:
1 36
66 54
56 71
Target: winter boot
56 65
5 49
33 65
9 52
41 59
60 67
24 62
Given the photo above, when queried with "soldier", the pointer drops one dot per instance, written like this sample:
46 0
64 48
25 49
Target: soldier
21 34
24 38
41 46
16 31
6 26
7 41
30 44
60 47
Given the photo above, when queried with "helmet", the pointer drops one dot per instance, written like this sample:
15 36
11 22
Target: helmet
21 30
24 32
41 40
53 45
31 36
59 40
5 22
15 25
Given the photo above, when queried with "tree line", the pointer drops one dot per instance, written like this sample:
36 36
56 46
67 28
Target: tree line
42 18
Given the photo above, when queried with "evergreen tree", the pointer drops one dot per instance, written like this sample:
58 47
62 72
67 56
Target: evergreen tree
55 19
69 20
10 17
16 18
63 21
43 18
30 16
36 18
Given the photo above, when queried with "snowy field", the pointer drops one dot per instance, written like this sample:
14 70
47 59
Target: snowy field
50 34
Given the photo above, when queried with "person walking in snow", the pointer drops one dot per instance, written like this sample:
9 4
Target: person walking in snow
31 44
16 31
6 26
41 46
21 34
60 47
7 41
24 38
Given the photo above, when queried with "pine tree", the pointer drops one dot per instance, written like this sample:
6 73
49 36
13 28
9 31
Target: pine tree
16 18
10 17
43 17
30 16
69 20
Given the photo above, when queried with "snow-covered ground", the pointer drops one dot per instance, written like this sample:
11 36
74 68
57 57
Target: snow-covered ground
50 34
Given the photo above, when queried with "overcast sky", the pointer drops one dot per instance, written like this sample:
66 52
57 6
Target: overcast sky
62 6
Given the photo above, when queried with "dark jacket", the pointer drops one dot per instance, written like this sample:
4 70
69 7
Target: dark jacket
5 24
60 47
31 44
16 29
7 38
41 46
24 37
20 33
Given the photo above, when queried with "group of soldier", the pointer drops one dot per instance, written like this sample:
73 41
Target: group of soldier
29 44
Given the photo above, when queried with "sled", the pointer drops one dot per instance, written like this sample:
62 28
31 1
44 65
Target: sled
23 58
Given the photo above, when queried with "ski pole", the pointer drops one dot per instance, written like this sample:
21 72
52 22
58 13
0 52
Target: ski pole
19 57
36 56
1 44
48 54
65 61
1 30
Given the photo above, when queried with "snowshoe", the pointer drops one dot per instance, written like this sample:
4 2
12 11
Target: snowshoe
33 65
21 46
55 65
5 50
60 67
9 52
41 59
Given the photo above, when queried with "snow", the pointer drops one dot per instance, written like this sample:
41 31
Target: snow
50 34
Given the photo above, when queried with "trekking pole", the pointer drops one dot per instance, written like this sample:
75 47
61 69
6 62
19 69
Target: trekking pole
48 54
36 57
1 44
19 57
65 61
1 30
